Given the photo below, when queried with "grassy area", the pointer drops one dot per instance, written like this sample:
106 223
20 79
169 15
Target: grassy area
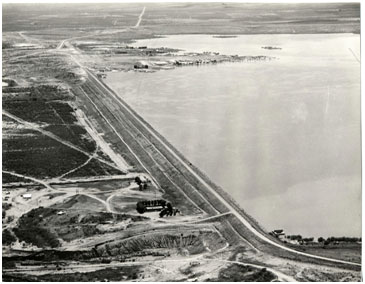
344 251
175 18
54 113
31 153
237 18
80 202
127 273
94 168
74 134
106 216
82 16
36 155
108 185
41 67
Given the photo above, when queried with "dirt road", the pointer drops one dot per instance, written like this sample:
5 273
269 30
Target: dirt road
140 17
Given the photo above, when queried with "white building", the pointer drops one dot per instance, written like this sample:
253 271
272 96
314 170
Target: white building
27 196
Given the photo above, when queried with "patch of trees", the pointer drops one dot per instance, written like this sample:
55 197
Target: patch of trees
300 239
295 237
339 240
107 274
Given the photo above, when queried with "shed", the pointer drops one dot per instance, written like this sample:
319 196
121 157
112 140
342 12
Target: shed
141 179
141 65
27 196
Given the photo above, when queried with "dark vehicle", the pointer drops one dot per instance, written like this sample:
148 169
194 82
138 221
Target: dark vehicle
150 205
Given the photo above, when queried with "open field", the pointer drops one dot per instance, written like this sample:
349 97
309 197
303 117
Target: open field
345 251
73 148
40 17
174 18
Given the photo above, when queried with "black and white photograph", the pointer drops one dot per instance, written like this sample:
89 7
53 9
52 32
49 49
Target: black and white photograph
149 141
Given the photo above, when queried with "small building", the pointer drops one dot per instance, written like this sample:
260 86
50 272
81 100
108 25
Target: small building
278 234
142 181
141 65
27 196
61 213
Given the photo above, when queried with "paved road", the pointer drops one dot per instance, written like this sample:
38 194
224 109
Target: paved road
112 98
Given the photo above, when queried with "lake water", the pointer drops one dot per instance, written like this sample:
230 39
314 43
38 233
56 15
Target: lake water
282 136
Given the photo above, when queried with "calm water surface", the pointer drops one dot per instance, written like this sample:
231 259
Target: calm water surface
282 137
